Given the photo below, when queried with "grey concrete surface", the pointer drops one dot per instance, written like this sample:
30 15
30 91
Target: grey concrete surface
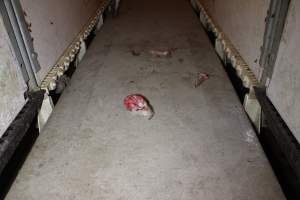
199 145
285 83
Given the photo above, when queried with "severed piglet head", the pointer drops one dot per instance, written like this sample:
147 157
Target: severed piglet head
138 105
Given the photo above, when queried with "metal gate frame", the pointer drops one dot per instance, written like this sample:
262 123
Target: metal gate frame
275 23
14 21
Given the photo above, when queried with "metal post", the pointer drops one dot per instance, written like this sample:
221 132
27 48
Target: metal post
15 34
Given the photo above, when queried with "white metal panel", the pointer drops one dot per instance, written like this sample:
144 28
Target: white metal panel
284 88
12 86
244 23
54 25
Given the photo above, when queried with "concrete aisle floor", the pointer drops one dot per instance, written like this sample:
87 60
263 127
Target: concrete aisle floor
200 144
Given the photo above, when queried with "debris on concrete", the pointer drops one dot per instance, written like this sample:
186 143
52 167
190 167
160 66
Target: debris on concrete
250 137
135 53
131 82
62 83
201 77
154 71
138 104
161 53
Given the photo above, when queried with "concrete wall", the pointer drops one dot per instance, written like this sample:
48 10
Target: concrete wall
12 86
284 88
243 21
54 25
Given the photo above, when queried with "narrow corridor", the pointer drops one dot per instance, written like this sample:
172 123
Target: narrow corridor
199 145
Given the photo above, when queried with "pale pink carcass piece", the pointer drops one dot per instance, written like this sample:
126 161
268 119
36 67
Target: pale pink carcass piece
161 53
201 77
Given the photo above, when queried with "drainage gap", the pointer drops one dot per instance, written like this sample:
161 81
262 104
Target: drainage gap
236 82
281 147
69 73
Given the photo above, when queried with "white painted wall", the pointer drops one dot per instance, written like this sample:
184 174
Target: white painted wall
54 25
12 86
243 21
284 88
